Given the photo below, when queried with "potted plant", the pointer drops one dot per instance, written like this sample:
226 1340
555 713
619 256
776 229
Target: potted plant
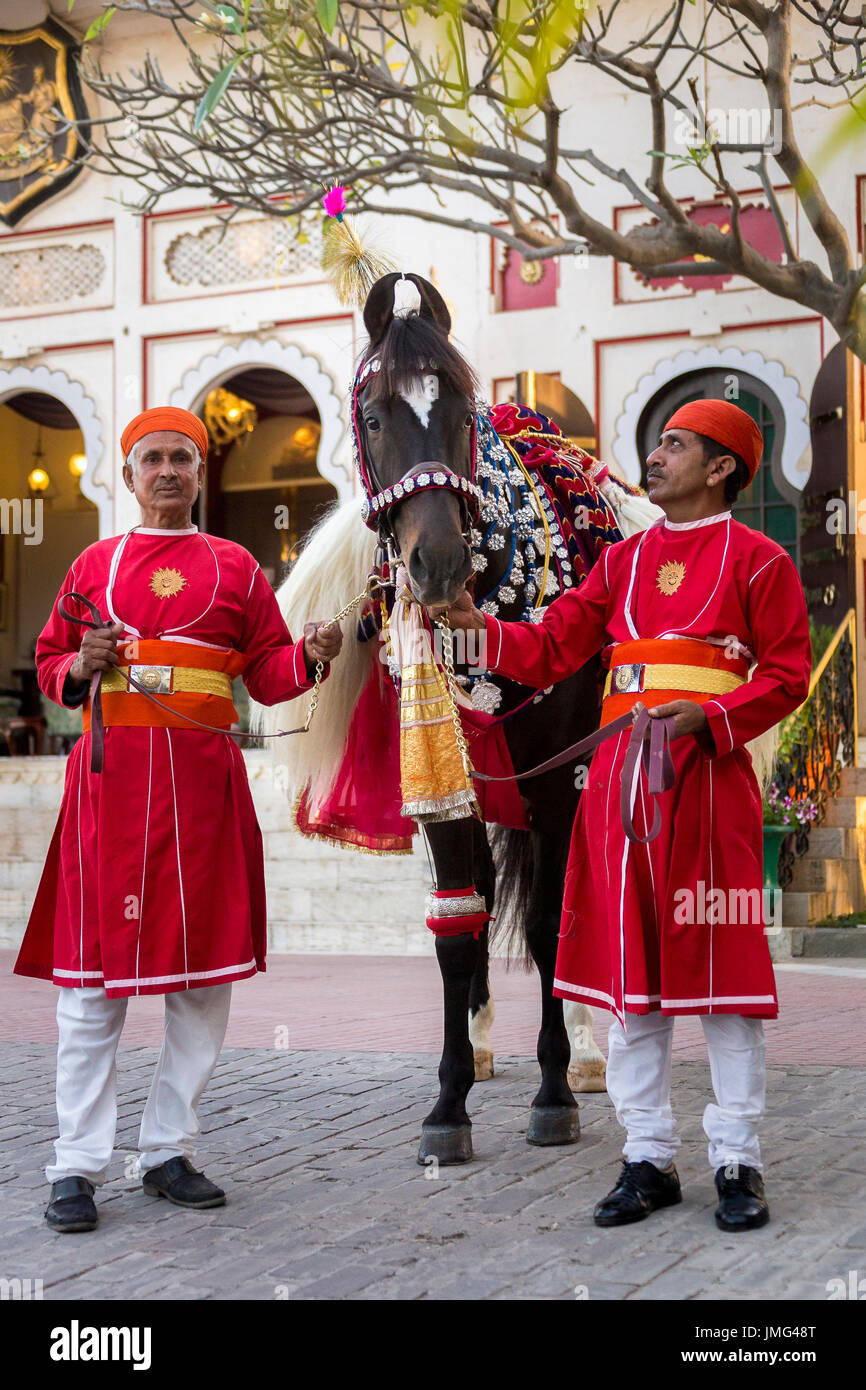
783 815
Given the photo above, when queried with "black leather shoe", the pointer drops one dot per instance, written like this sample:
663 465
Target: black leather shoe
742 1204
642 1188
177 1180
72 1207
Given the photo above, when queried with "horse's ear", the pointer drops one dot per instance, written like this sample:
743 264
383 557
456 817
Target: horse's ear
379 308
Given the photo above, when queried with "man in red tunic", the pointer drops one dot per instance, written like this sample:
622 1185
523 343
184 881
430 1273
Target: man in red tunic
684 612
154 881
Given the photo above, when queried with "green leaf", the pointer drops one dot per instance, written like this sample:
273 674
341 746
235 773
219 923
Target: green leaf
215 92
327 12
230 18
99 23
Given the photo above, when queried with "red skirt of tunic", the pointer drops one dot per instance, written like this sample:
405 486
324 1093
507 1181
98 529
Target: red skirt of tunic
154 881
623 943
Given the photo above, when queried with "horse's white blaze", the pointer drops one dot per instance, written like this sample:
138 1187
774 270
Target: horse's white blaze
421 396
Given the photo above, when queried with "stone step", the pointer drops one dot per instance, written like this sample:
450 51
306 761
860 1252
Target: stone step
853 781
828 942
837 842
801 909
842 813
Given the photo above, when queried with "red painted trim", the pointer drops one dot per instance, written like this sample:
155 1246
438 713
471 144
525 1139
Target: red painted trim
702 202
599 343
73 347
180 213
61 227
497 245
217 333
38 312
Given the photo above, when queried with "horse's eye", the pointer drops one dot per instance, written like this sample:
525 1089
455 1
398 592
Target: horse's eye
469 420
371 422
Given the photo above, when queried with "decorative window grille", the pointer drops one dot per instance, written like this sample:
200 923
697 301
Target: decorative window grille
264 249
49 274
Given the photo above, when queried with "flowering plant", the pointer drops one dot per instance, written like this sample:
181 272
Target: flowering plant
788 810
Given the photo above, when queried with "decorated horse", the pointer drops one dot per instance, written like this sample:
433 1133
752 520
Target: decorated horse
456 494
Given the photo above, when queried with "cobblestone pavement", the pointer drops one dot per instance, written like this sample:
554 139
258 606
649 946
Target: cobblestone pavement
317 1150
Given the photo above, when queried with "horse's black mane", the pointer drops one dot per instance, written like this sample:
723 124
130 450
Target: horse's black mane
411 347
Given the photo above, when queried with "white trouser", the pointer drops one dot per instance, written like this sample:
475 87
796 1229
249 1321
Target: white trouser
89 1027
639 1084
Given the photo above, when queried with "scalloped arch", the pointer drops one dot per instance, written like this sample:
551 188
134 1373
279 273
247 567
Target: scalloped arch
785 388
217 367
73 395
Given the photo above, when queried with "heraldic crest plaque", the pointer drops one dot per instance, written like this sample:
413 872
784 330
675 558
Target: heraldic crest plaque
40 103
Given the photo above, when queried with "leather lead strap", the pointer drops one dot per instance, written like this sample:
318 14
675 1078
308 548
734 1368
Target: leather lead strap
650 741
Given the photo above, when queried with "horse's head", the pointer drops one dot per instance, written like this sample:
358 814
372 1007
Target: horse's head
414 416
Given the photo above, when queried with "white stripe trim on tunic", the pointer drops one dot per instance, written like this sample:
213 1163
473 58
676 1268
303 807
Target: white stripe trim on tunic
584 989
299 680
763 567
721 571
177 845
252 581
181 979
144 853
167 632
727 721
693 525
161 531
495 662
712 890
666 1003
77 974
719 999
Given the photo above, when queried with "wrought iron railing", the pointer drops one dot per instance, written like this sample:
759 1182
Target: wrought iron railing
817 741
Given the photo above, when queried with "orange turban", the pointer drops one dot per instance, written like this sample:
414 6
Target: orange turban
164 417
725 423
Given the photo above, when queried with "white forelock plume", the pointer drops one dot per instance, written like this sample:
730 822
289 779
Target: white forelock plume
407 298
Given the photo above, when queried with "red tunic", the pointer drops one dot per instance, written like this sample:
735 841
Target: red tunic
632 938
154 880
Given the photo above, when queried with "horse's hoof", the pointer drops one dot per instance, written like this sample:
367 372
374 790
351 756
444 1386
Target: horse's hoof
445 1144
587 1076
483 1064
553 1124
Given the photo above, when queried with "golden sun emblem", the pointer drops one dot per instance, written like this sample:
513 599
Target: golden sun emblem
670 576
8 71
164 583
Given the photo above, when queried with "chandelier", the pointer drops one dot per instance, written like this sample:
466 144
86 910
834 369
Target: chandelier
228 417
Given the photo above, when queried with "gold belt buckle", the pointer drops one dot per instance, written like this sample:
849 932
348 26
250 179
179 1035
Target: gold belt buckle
156 680
628 679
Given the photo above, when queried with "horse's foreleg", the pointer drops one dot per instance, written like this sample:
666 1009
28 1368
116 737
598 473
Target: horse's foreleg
553 1118
446 1135
586 1071
481 1008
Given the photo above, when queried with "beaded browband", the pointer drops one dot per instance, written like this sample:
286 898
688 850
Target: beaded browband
420 479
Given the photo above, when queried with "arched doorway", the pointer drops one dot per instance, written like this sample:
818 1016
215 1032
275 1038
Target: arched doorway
769 504
45 523
263 488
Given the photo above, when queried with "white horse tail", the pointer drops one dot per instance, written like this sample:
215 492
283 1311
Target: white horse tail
331 569
632 514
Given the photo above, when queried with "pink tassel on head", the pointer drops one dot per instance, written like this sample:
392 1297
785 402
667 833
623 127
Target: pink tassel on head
334 202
